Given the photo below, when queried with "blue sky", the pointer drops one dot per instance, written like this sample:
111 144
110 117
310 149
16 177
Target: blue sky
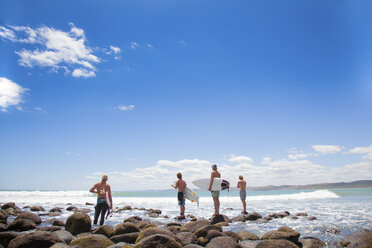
279 91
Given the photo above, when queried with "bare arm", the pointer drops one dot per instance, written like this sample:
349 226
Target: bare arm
238 185
175 186
211 182
93 190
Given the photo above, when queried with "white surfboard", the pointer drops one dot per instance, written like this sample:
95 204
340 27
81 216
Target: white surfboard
204 183
191 195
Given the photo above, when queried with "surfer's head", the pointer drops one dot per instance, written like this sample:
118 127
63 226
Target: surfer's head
214 167
104 178
179 175
241 177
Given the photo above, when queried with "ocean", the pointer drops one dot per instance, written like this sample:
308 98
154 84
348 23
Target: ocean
338 212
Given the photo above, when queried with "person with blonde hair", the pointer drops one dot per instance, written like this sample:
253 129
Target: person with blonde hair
103 190
242 184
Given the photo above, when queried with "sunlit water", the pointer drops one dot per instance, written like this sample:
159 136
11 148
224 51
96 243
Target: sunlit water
345 210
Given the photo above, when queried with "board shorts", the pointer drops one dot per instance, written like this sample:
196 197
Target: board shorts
215 194
243 195
181 199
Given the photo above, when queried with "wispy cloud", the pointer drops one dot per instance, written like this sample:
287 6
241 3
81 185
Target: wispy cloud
55 49
366 150
327 149
133 45
10 94
240 159
125 108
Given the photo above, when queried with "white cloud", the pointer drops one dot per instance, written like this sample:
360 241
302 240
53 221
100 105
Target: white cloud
296 154
367 150
54 48
327 149
10 93
126 108
115 49
133 45
240 159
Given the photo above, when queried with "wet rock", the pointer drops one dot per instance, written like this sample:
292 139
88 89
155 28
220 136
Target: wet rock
249 243
127 238
244 235
213 234
222 242
37 239
154 231
202 241
283 233
174 229
142 224
49 228
219 218
362 239
221 224
203 231
58 223
193 226
192 246
158 240
37 208
294 217
262 221
71 208
89 204
186 238
173 224
64 236
253 216
105 230
279 243
22 225
154 211
126 208
238 218
3 227
310 242
60 245
300 214
3 216
10 205
57 209
279 215
78 223
120 245
6 237
53 214
92 241
134 219
126 227
29 216
149 226
232 235
311 218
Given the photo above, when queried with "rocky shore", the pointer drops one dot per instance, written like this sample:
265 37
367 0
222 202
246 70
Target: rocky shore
24 228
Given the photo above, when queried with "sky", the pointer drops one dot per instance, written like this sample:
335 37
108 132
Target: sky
277 91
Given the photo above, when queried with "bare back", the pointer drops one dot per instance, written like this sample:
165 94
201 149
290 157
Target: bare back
101 188
181 185
242 184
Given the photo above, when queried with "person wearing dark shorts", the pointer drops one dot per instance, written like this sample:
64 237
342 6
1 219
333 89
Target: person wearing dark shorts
180 185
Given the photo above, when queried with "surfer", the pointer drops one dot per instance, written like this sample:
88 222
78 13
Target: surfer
242 185
104 199
180 185
215 194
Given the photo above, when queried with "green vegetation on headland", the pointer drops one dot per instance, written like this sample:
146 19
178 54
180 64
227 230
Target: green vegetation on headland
341 185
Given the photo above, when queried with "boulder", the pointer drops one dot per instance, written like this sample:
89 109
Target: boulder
120 245
158 241
238 218
71 208
174 229
58 223
154 231
249 243
232 235
142 223
37 239
194 225
92 241
57 209
203 231
154 211
279 243
310 242
253 216
3 227
133 219
222 242
213 234
220 218
127 238
149 226
3 216
192 246
78 223
60 245
10 205
279 215
283 233
22 225
362 239
244 235
49 228
300 214
173 224
311 218
64 236
186 238
37 208
29 216
202 241
106 230
126 227
6 237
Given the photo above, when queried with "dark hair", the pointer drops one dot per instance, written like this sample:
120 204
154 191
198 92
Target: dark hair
179 175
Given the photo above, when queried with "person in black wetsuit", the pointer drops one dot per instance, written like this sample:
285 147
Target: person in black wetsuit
102 188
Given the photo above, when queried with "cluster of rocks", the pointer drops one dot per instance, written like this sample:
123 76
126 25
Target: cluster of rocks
77 231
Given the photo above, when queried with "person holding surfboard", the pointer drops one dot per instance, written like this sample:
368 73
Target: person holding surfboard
104 199
181 186
242 184
215 194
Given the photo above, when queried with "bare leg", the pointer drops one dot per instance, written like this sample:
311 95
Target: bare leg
182 208
244 206
216 202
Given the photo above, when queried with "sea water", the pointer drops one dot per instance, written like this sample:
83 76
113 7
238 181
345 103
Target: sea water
339 212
